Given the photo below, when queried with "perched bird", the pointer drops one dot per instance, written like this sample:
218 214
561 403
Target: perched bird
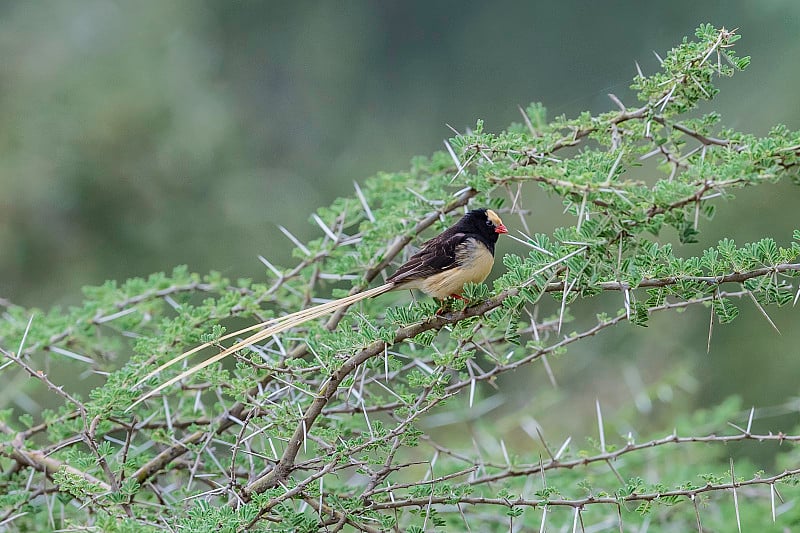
461 254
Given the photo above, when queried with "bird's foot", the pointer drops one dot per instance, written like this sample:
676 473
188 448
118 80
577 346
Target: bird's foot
444 307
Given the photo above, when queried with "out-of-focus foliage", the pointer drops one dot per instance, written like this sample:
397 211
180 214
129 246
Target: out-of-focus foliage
350 423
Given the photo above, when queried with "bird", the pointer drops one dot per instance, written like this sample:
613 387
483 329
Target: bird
461 254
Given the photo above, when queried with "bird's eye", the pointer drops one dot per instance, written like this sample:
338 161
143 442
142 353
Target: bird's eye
489 223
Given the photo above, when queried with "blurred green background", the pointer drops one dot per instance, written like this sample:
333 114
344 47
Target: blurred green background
140 135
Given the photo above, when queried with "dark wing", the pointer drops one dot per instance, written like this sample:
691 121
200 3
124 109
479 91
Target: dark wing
437 255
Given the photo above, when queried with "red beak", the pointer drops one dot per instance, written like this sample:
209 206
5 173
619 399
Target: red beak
501 229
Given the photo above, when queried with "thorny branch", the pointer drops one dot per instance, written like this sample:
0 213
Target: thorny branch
591 500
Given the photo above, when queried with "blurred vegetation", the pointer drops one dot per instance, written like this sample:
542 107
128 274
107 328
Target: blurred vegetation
193 143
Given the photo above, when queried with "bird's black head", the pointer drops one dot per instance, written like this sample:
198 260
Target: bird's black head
484 223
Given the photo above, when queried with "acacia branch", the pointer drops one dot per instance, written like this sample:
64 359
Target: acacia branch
553 464
733 277
240 410
39 461
286 464
688 493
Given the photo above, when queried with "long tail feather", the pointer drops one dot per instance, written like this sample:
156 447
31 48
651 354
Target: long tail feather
270 322
196 349
273 327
